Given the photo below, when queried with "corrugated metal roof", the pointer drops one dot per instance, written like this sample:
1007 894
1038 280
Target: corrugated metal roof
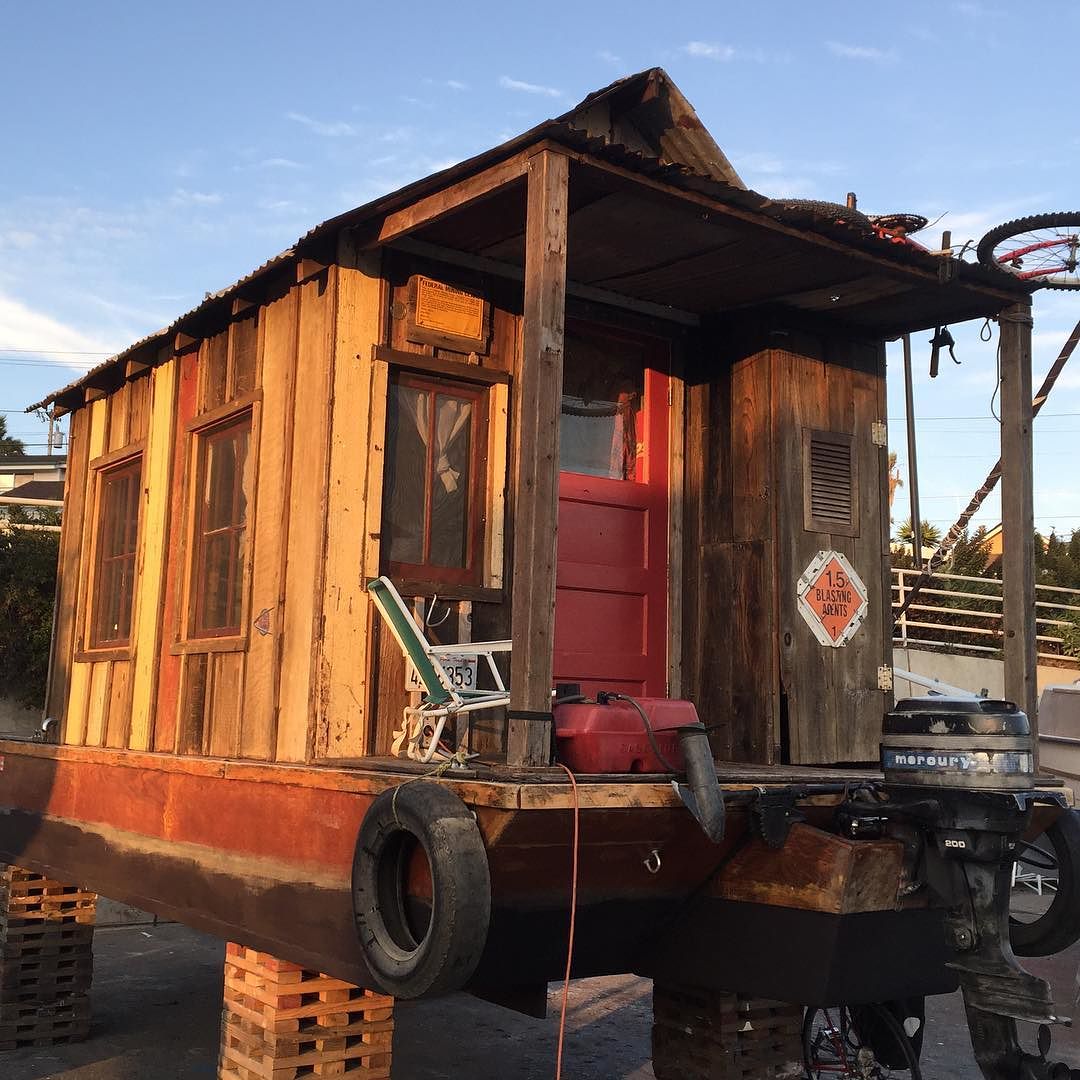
671 146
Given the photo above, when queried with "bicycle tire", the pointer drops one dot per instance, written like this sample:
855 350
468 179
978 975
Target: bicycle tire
883 1020
1059 926
1067 219
910 223
818 208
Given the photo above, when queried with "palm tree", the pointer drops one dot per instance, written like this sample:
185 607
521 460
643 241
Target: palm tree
9 445
931 534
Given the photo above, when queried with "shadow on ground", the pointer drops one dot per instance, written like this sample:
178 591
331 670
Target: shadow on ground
157 1007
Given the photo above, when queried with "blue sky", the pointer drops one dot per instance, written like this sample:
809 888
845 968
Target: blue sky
152 153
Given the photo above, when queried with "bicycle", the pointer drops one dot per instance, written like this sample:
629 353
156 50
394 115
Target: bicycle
1043 249
864 1042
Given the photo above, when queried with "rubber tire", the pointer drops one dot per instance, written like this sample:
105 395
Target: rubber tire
1059 927
447 956
985 250
817 208
883 1019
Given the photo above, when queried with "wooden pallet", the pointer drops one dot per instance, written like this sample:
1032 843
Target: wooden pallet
26 897
716 1036
46 959
281 1021
43 1024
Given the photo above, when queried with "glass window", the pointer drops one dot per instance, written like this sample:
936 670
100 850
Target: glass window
220 528
433 487
603 389
114 575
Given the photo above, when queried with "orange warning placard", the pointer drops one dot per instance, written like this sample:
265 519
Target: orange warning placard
448 310
832 598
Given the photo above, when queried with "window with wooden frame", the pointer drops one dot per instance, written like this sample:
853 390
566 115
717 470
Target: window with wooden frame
115 545
830 483
222 481
435 480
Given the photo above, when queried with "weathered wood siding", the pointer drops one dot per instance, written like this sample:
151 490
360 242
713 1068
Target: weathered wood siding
750 662
302 356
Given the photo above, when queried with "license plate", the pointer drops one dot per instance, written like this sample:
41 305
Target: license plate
461 671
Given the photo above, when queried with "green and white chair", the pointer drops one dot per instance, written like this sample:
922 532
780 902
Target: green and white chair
442 700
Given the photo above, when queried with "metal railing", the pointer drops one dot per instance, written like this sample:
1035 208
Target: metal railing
958 613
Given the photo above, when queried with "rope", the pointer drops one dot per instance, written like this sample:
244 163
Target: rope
573 920
459 757
949 539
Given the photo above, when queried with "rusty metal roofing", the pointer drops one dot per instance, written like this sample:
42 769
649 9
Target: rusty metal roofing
669 145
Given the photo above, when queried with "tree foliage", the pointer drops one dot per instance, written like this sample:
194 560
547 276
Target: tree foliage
27 586
9 445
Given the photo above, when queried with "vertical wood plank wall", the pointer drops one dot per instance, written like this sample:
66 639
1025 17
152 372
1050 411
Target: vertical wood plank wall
303 365
750 662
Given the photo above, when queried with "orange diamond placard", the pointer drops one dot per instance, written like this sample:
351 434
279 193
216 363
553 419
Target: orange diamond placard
832 598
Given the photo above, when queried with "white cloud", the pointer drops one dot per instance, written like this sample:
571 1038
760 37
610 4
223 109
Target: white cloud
25 330
450 84
183 197
609 57
18 238
528 88
277 163
331 129
972 10
860 52
709 50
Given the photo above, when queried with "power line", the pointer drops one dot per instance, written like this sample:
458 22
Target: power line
56 352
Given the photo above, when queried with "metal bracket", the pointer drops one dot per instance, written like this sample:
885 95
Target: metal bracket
879 432
884 677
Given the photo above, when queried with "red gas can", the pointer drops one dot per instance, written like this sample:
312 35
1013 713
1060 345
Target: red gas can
611 738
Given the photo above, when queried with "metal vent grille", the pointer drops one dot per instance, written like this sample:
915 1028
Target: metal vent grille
832 499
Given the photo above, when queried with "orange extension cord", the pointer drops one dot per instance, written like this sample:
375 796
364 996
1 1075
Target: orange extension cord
573 917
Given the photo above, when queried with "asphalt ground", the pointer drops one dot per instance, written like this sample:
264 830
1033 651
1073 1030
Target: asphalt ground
157 1007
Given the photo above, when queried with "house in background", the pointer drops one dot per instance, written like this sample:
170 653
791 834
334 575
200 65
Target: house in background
32 480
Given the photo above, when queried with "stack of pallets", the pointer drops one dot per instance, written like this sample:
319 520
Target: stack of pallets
46 959
281 1021
718 1036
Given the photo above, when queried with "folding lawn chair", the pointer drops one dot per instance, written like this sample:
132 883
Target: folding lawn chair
442 699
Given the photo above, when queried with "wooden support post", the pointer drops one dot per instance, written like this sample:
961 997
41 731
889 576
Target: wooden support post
46 959
280 1020
711 1035
1017 511
538 395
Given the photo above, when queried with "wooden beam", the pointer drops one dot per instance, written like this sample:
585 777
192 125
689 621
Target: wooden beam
306 269
435 207
536 416
498 268
1017 503
763 221
134 368
243 304
183 342
93 393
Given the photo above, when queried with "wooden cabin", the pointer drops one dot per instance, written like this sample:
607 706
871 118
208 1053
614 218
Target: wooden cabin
585 392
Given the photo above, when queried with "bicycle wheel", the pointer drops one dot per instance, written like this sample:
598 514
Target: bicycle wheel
866 1042
1042 250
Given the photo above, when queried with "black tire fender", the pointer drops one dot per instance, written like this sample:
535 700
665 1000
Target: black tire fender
1059 926
406 960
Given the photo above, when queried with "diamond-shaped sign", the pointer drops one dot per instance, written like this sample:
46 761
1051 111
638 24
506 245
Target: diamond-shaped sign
832 598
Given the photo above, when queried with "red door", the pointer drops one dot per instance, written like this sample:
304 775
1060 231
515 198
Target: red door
611 585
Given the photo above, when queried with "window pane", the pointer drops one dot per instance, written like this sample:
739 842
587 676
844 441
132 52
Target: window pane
408 433
450 482
114 584
430 523
603 388
221 529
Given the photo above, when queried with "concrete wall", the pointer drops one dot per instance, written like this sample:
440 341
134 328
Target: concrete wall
974 673
17 720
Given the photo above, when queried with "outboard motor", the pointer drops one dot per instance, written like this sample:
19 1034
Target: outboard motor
960 782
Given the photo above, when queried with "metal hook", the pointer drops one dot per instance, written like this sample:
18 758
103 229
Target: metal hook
652 861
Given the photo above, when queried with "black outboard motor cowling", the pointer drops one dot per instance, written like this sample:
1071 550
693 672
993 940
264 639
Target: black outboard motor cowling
958 742
961 773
